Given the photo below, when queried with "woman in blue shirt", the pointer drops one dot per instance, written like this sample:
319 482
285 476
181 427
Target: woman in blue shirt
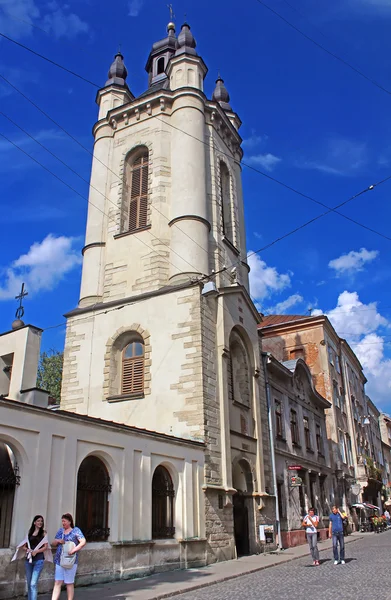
68 533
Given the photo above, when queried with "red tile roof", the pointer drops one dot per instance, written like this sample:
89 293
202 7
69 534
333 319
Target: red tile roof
279 320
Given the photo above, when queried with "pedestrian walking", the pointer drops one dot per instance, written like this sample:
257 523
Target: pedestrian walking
311 523
388 517
336 533
34 548
69 540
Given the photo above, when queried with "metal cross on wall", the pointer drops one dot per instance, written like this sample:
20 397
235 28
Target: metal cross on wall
20 310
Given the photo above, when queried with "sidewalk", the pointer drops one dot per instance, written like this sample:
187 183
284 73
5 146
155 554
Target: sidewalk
172 583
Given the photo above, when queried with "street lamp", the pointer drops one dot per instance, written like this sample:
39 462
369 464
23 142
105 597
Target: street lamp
366 421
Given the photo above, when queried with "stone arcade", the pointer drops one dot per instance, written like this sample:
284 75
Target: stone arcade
163 389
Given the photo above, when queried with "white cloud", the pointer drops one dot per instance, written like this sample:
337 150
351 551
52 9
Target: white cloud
42 268
340 157
370 352
282 307
63 24
353 261
361 324
18 18
254 141
265 280
267 161
135 7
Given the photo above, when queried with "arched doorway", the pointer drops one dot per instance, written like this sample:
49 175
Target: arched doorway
163 495
9 479
92 500
242 506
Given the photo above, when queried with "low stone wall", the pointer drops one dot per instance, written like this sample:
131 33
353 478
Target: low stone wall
104 562
297 537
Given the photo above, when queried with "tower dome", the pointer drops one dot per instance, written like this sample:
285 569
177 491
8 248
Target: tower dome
186 43
117 73
221 95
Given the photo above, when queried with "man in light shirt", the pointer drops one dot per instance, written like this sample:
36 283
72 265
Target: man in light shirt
311 523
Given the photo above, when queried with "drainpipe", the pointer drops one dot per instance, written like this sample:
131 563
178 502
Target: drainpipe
265 360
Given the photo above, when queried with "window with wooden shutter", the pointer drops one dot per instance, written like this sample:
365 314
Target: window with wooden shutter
138 202
133 368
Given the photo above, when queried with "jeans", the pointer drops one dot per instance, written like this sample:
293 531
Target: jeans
313 543
33 571
338 538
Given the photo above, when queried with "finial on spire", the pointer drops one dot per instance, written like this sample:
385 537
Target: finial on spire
171 25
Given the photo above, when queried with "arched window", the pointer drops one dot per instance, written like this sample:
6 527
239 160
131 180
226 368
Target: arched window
135 201
92 500
226 204
239 374
9 479
160 66
163 495
133 367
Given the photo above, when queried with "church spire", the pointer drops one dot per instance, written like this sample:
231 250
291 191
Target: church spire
221 95
118 72
186 43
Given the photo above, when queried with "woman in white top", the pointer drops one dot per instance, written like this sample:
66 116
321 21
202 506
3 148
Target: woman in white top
311 523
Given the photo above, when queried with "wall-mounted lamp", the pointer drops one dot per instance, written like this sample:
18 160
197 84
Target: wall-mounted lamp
366 421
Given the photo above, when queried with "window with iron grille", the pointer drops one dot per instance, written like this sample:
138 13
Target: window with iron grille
278 416
163 495
133 368
294 428
307 433
92 500
136 192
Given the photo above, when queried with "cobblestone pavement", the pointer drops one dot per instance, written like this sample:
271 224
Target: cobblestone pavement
366 575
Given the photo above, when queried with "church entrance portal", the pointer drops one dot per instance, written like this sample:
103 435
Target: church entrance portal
242 506
241 529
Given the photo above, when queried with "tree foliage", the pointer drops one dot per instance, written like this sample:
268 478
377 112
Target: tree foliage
50 372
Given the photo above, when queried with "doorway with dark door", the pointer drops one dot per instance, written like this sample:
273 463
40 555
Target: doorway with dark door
241 529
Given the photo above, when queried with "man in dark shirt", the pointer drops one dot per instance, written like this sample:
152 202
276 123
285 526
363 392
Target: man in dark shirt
336 532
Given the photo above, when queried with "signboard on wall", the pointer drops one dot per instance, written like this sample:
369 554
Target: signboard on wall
295 481
266 534
295 468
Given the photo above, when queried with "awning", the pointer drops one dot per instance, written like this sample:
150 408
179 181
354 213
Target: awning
365 505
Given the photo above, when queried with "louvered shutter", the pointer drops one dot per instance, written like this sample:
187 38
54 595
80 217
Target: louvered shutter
138 207
133 369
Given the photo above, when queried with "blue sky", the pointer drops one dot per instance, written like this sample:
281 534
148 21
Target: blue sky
308 120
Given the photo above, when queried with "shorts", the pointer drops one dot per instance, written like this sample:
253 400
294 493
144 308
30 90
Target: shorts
65 575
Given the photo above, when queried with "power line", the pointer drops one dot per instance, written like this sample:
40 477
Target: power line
88 183
84 198
290 188
286 186
330 209
56 64
329 52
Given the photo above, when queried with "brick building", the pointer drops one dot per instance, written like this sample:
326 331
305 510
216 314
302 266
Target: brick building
338 377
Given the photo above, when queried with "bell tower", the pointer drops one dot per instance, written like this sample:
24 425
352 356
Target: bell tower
165 333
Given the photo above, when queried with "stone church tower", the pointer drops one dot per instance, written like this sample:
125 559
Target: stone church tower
165 334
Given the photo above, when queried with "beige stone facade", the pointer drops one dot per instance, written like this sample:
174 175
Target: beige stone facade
164 266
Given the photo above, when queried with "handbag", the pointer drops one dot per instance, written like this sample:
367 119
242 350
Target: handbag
66 560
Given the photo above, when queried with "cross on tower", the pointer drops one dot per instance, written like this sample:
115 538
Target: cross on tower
20 310
172 15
